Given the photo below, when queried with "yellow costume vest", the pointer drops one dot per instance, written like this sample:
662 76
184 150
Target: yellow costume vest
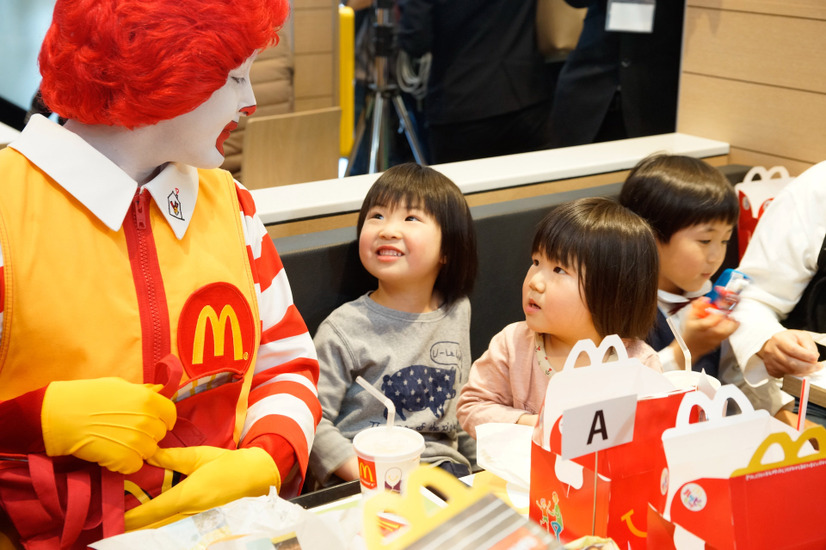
72 310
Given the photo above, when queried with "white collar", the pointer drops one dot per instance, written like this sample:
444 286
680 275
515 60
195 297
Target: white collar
666 300
98 183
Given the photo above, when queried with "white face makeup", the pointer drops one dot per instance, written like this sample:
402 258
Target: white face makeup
199 135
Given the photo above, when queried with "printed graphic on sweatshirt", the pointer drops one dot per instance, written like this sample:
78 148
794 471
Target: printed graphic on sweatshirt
446 353
417 387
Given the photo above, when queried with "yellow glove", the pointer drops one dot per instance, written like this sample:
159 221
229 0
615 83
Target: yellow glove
110 421
215 477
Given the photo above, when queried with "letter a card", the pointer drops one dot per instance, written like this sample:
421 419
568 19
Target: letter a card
599 425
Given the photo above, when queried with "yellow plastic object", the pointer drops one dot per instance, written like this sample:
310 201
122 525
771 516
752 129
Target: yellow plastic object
499 487
346 76
413 507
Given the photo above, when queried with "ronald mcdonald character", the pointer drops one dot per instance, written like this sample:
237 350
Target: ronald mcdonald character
152 363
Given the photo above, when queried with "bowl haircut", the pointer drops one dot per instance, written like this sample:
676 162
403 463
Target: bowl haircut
411 185
615 256
673 192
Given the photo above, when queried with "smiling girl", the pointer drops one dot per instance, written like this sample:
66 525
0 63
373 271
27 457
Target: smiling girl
593 273
410 337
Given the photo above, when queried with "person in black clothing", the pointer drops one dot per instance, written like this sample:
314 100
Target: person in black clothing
488 91
616 85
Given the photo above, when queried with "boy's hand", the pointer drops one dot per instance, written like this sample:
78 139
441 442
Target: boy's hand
790 352
704 331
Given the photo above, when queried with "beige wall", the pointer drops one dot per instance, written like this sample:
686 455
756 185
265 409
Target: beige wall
316 53
754 75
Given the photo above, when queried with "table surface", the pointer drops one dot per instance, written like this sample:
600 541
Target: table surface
336 196
817 389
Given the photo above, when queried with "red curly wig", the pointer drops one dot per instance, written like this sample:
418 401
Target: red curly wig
136 62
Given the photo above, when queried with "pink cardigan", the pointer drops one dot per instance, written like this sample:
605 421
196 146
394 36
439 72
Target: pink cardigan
507 381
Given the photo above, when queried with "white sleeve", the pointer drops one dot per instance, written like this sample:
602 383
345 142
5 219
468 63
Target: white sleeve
781 259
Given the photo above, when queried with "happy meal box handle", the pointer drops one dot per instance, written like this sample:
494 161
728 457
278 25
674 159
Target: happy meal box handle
791 450
713 408
412 507
754 172
779 171
594 353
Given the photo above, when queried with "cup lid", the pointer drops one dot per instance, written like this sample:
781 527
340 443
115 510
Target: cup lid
390 444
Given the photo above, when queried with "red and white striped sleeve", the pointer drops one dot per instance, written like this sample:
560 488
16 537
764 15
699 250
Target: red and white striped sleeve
284 409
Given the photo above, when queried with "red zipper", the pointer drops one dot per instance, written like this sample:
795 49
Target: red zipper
146 273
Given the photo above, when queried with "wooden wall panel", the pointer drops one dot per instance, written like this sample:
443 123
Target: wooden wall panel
813 9
313 31
756 48
316 53
752 158
308 4
314 76
313 103
778 121
754 75
306 145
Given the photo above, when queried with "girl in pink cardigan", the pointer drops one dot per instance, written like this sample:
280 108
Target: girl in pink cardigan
593 273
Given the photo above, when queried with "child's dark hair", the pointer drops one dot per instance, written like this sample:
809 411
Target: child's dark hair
413 185
672 192
614 252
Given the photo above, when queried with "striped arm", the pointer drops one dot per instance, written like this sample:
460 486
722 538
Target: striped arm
283 402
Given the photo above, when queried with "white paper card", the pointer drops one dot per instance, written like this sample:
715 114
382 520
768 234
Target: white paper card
505 450
597 426
630 16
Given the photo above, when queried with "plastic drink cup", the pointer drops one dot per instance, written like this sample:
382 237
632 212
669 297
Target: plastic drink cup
386 456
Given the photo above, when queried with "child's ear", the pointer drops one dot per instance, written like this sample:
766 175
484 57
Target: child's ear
443 260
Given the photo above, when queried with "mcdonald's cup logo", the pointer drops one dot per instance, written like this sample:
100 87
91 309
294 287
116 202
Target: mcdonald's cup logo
216 331
367 473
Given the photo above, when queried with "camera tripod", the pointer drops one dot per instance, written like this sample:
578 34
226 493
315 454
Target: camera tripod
380 97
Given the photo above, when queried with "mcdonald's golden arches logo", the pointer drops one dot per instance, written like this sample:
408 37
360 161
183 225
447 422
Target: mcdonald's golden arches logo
207 316
216 331
367 473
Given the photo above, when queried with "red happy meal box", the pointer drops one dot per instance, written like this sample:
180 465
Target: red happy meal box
755 193
746 481
596 456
